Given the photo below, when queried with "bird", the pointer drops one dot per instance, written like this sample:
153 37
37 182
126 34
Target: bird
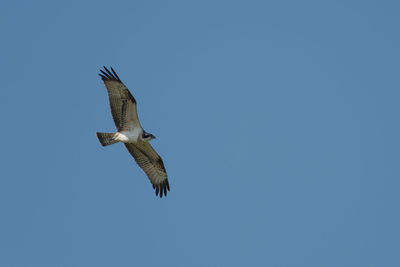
130 132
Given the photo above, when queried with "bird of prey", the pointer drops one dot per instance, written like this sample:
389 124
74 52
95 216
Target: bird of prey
131 133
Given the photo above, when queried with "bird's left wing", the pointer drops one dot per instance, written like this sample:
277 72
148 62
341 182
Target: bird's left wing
151 163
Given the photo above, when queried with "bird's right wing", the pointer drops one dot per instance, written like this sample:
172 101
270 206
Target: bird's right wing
122 103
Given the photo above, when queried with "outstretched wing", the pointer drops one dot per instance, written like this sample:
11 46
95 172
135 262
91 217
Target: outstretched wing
122 103
151 163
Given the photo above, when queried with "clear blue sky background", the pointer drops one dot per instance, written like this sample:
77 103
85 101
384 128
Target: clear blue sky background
278 122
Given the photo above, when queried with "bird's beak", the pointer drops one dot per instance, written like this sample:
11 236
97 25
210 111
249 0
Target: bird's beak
153 136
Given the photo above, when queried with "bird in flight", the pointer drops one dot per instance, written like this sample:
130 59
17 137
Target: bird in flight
131 133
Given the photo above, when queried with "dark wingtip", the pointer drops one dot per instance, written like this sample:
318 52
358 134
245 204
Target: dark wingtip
107 75
162 188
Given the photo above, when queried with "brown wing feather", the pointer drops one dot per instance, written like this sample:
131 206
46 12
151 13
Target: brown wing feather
151 163
122 103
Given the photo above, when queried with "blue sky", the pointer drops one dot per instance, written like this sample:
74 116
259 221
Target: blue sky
278 123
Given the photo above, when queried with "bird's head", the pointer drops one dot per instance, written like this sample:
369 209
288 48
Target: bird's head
147 136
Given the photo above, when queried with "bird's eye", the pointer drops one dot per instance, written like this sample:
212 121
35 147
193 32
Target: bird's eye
145 135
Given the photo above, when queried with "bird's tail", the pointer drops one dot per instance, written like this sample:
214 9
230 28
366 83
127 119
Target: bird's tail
106 139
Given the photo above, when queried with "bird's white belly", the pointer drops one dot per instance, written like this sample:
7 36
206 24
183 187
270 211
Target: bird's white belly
128 136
